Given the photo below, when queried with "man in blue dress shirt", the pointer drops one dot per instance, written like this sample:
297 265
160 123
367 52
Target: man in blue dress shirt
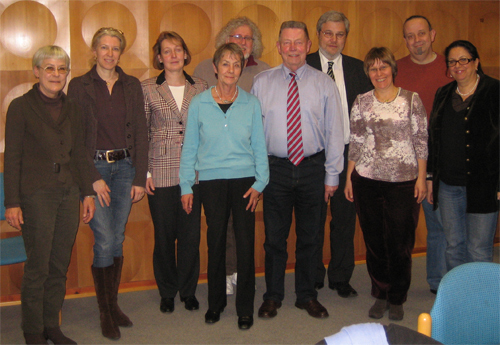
301 186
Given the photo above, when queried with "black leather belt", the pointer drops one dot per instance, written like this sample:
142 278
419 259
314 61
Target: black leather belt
111 156
305 158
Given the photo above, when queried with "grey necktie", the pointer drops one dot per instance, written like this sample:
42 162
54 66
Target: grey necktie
330 70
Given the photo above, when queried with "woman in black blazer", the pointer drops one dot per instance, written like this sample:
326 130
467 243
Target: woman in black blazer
463 166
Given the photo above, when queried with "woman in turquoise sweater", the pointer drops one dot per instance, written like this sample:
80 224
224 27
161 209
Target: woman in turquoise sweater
225 145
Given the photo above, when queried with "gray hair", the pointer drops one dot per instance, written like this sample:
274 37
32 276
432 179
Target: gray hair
49 52
293 24
235 23
333 16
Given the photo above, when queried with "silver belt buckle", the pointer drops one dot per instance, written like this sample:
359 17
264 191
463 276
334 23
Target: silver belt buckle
107 156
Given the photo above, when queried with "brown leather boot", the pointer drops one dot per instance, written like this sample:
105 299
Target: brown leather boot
34 338
55 335
121 319
104 287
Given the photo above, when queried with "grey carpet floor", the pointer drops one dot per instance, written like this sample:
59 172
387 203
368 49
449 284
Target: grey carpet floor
291 326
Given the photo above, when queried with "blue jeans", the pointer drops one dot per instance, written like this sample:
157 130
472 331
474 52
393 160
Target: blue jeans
109 223
436 245
469 235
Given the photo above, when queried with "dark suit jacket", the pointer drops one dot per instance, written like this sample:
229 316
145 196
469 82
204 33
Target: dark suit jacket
356 81
34 142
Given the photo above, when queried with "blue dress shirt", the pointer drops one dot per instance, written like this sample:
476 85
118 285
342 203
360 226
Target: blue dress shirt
321 112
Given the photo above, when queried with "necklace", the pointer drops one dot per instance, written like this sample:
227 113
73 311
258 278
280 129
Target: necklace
224 101
472 90
110 80
390 99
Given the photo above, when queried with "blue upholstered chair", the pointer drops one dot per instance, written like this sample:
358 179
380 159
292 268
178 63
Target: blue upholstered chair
467 306
12 248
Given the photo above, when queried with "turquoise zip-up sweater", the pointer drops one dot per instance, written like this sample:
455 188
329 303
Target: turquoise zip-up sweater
224 146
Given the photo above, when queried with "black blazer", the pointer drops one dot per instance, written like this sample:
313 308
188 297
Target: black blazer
356 81
482 153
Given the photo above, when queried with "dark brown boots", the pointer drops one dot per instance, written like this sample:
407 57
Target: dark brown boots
57 337
121 319
106 282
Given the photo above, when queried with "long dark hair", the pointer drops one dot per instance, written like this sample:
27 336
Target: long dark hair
467 46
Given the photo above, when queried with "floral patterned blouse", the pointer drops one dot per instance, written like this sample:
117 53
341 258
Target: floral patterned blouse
388 138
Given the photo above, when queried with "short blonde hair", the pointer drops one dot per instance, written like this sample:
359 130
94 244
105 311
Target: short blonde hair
49 52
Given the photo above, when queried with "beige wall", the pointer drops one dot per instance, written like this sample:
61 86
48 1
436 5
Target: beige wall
27 25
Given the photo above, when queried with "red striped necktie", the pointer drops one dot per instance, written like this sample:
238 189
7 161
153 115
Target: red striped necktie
294 127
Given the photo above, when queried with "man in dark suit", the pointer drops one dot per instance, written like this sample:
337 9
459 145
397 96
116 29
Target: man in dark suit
332 30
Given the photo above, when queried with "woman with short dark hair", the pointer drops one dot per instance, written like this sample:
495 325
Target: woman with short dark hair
464 157
386 179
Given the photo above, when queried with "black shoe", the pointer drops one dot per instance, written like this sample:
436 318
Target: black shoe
245 322
434 291
167 305
344 290
319 285
212 316
190 303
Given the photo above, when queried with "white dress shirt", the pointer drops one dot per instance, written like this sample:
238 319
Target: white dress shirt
338 72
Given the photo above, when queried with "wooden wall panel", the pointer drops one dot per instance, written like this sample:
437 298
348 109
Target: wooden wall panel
27 25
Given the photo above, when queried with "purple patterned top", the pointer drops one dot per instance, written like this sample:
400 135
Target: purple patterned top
388 138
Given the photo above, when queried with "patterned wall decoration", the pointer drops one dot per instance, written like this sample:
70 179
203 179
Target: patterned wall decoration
27 25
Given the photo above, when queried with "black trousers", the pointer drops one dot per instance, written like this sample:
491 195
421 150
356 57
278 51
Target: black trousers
342 228
299 189
388 215
219 198
173 224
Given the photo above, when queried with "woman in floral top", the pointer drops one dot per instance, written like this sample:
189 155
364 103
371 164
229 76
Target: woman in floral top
386 179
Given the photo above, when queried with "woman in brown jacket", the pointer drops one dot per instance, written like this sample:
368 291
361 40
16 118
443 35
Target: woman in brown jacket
46 171
117 144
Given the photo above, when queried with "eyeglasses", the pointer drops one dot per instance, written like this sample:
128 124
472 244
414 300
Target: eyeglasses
338 35
240 37
52 69
381 69
461 61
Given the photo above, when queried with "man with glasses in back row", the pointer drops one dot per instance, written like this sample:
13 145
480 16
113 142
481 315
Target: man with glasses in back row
347 72
246 34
